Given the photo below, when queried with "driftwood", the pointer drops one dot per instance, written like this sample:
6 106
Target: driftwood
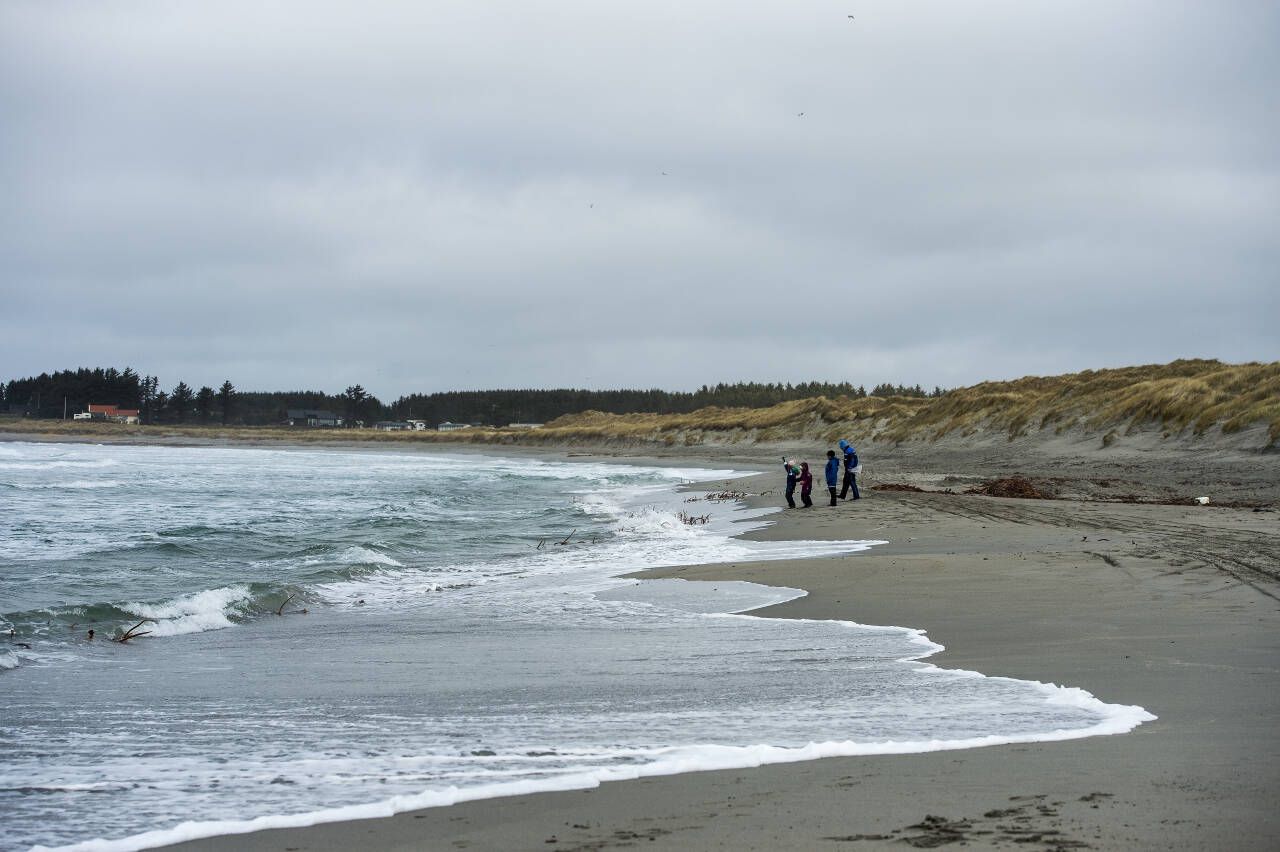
727 495
133 632
280 609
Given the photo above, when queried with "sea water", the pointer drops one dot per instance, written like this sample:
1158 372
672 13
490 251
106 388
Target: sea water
336 634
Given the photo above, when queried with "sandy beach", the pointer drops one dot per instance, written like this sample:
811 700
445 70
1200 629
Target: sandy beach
1174 608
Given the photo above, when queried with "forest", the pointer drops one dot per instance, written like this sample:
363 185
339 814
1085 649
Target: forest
66 392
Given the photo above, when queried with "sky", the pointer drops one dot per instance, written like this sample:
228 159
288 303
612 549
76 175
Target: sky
437 195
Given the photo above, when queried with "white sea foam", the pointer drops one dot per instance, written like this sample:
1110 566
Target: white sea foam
364 555
73 484
195 613
8 659
646 763
58 464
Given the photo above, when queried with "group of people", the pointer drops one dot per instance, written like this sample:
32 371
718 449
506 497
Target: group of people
799 474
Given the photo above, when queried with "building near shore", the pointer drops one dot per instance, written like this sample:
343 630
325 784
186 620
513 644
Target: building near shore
311 417
113 413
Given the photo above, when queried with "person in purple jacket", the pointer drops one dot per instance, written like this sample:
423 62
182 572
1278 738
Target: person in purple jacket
806 485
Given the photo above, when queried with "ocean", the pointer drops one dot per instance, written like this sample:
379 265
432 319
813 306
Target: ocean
336 634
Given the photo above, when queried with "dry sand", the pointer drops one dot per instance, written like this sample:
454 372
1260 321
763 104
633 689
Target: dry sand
1171 607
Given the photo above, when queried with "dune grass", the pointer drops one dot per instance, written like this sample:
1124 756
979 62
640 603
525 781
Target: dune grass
1189 394
1183 394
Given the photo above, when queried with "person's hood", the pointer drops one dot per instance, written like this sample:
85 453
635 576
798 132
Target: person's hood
843 443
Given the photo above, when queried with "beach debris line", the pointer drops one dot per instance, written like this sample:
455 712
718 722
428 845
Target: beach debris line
1013 486
721 496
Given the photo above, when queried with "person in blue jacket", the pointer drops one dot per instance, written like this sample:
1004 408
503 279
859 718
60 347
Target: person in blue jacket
850 462
833 474
793 473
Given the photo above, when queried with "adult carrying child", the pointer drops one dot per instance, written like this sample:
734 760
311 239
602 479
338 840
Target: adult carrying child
851 468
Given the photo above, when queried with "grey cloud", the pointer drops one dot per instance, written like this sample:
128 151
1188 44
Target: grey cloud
474 194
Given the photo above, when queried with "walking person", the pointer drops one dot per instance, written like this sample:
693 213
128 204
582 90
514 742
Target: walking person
806 485
850 478
833 474
793 473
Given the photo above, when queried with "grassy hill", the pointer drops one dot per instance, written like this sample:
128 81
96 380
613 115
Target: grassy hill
1181 398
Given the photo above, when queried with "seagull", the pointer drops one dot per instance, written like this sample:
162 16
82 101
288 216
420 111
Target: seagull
850 17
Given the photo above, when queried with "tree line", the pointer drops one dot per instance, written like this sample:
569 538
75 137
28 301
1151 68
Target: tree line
51 395
68 392
539 406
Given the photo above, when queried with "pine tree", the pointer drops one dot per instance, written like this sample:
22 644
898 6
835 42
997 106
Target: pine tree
226 401
147 393
355 402
180 401
204 404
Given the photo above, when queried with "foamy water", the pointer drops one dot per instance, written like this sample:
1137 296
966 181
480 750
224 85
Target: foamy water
466 635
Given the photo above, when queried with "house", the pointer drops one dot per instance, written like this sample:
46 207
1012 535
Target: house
393 426
449 427
114 413
311 417
523 425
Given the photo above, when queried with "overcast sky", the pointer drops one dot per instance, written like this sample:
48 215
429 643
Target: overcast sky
424 196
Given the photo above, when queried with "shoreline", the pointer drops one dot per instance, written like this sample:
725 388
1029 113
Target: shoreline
1128 602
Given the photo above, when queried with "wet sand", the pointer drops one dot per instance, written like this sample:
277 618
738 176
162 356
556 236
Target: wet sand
1175 608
